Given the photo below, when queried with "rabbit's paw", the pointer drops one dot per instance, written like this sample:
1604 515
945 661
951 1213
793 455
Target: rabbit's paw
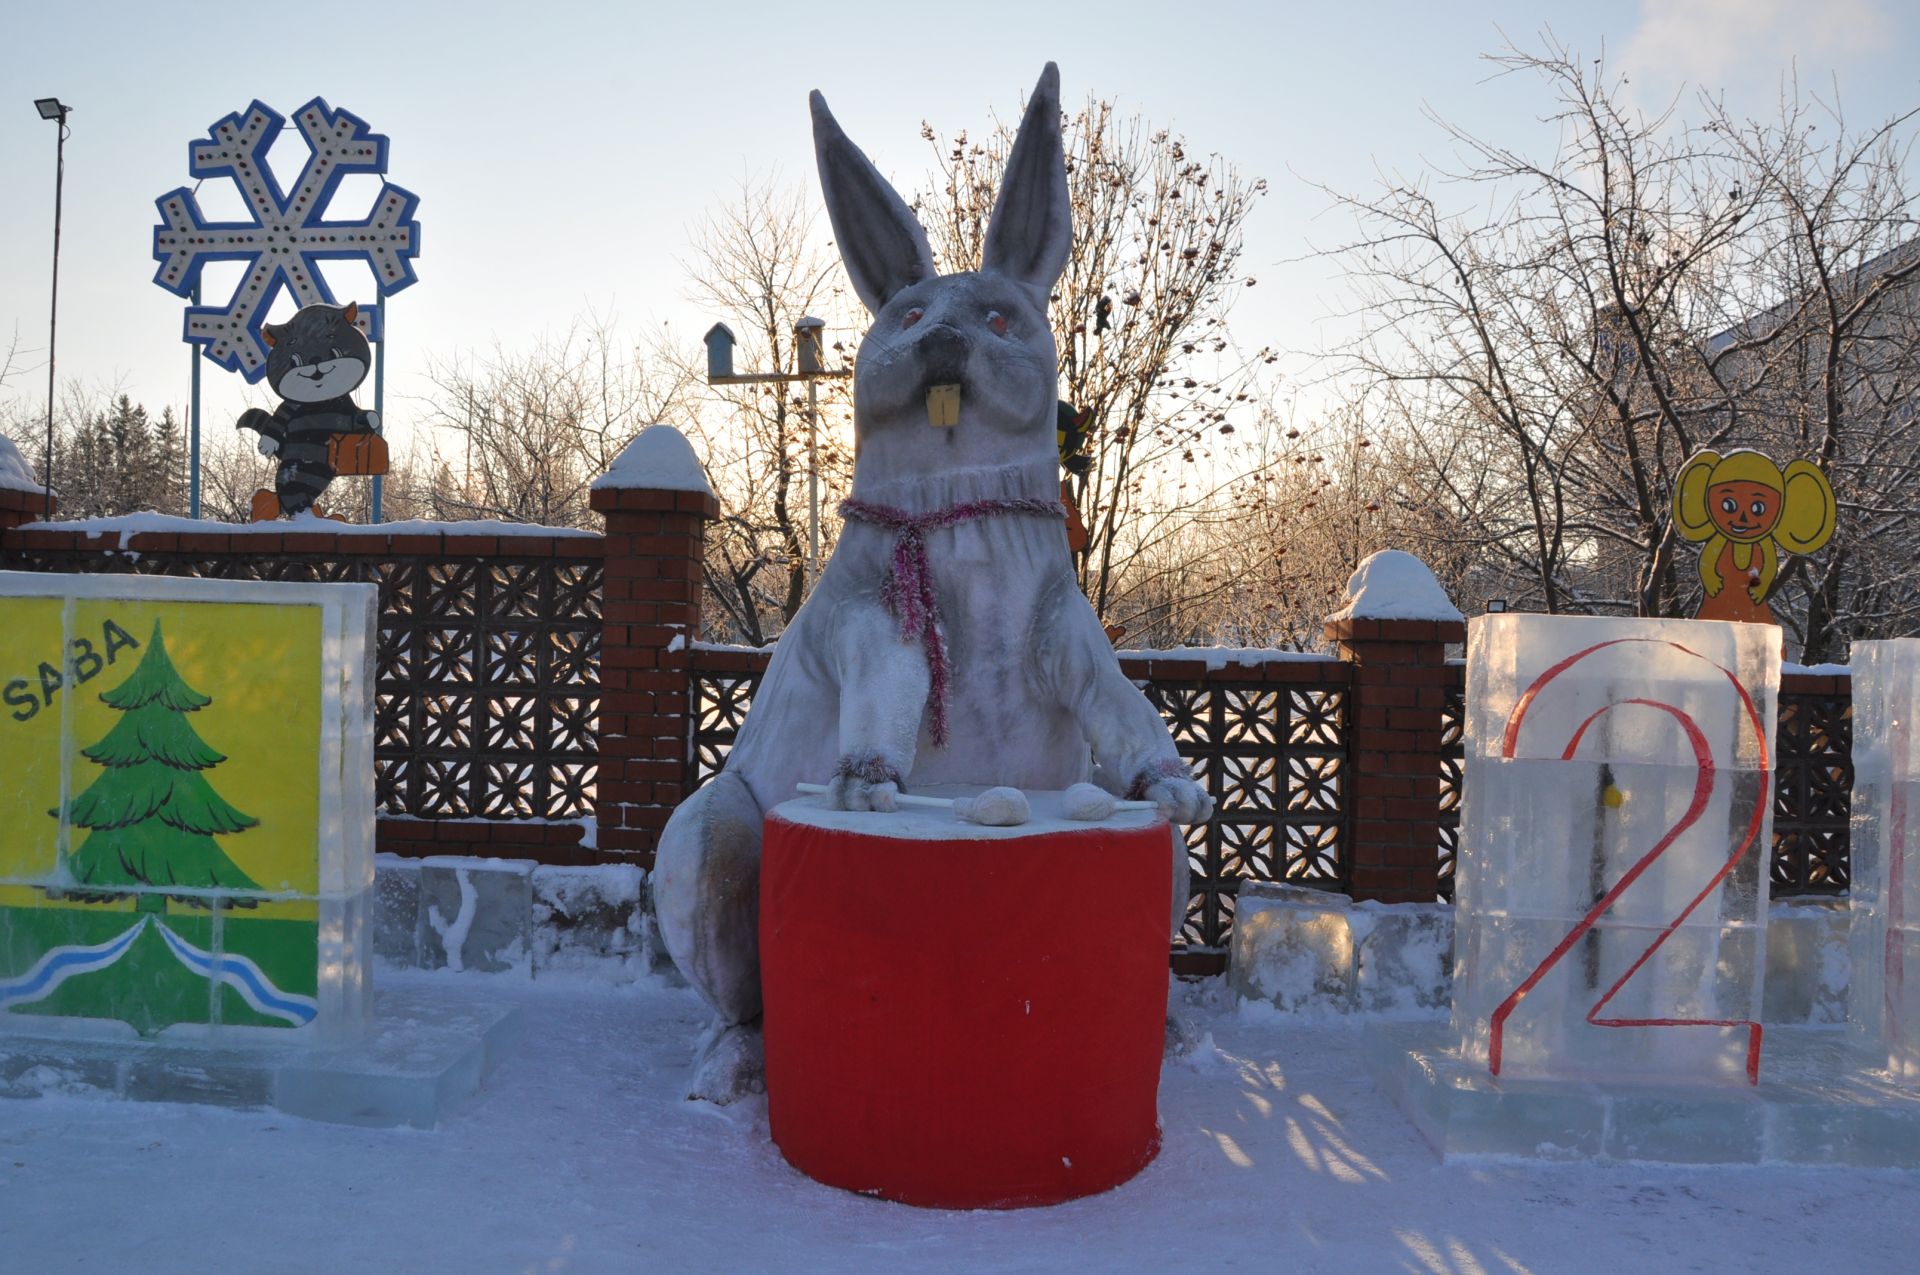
863 781
1169 786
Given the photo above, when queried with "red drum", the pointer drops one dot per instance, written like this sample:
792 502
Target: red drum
964 1017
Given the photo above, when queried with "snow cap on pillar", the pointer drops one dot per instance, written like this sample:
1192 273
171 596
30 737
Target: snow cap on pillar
660 459
658 470
16 471
1393 585
23 497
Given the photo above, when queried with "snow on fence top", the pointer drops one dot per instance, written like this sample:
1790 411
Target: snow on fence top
1215 657
1392 585
15 473
1816 670
1218 657
127 526
660 459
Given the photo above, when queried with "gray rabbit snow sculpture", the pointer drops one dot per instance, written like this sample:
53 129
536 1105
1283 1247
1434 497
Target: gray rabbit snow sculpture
947 640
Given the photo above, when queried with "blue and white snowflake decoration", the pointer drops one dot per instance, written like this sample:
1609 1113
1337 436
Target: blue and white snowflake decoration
288 235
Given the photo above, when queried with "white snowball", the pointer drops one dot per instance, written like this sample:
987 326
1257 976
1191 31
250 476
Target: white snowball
1088 802
996 808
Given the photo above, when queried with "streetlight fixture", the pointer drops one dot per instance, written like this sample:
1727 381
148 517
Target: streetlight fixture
809 335
51 108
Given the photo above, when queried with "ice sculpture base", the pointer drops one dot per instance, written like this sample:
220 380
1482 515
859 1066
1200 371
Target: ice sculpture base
425 1053
1813 1105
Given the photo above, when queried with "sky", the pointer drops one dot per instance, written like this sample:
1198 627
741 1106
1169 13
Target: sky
564 153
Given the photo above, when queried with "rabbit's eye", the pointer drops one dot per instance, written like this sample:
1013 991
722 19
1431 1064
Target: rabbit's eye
910 318
296 360
998 322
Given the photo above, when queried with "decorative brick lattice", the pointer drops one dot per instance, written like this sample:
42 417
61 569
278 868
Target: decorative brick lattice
724 683
1813 785
488 688
1274 756
1453 751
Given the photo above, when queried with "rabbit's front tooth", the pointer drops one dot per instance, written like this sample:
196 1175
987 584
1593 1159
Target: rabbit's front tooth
943 406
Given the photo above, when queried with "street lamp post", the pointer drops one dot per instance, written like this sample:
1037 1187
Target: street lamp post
51 108
808 336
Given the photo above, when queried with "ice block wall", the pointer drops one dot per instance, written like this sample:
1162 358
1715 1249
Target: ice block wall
1611 886
1883 993
186 807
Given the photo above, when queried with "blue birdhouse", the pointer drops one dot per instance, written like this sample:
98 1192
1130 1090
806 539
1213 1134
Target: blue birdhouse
719 352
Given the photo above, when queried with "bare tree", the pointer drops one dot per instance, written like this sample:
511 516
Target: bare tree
521 435
10 357
1647 290
759 263
1141 316
1836 360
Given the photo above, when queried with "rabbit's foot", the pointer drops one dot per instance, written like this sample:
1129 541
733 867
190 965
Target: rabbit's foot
863 781
732 1065
1184 1035
1169 786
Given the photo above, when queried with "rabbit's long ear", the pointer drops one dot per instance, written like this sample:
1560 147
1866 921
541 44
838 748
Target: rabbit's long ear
881 242
1031 230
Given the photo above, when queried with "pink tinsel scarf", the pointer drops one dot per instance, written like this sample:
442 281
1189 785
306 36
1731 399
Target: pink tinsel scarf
909 591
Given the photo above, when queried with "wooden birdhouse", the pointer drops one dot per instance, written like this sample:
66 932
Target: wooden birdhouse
719 352
808 335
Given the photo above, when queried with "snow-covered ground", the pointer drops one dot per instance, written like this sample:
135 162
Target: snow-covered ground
581 1156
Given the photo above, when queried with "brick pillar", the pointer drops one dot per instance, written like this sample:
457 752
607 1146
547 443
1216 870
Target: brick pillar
650 595
1399 687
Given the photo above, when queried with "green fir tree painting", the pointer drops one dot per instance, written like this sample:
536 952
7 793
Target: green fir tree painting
152 817
204 942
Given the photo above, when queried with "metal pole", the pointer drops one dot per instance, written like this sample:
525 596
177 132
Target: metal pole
53 309
193 425
813 482
380 394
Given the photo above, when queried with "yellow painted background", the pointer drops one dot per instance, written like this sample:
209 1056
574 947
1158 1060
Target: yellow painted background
261 666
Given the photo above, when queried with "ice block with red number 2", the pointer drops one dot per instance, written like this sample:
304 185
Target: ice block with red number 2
1612 884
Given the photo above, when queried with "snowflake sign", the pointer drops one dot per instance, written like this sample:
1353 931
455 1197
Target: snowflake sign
288 233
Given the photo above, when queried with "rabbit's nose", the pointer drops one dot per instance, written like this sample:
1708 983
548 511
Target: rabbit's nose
943 350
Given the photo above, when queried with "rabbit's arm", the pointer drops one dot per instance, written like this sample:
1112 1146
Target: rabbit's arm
883 692
1133 754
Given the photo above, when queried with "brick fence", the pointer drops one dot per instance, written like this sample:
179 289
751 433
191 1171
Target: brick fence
541 695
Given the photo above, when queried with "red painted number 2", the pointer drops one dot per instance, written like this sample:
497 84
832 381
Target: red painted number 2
1705 775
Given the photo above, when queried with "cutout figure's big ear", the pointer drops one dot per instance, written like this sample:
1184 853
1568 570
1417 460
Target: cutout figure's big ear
1031 230
1690 516
268 335
881 242
353 313
1807 509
